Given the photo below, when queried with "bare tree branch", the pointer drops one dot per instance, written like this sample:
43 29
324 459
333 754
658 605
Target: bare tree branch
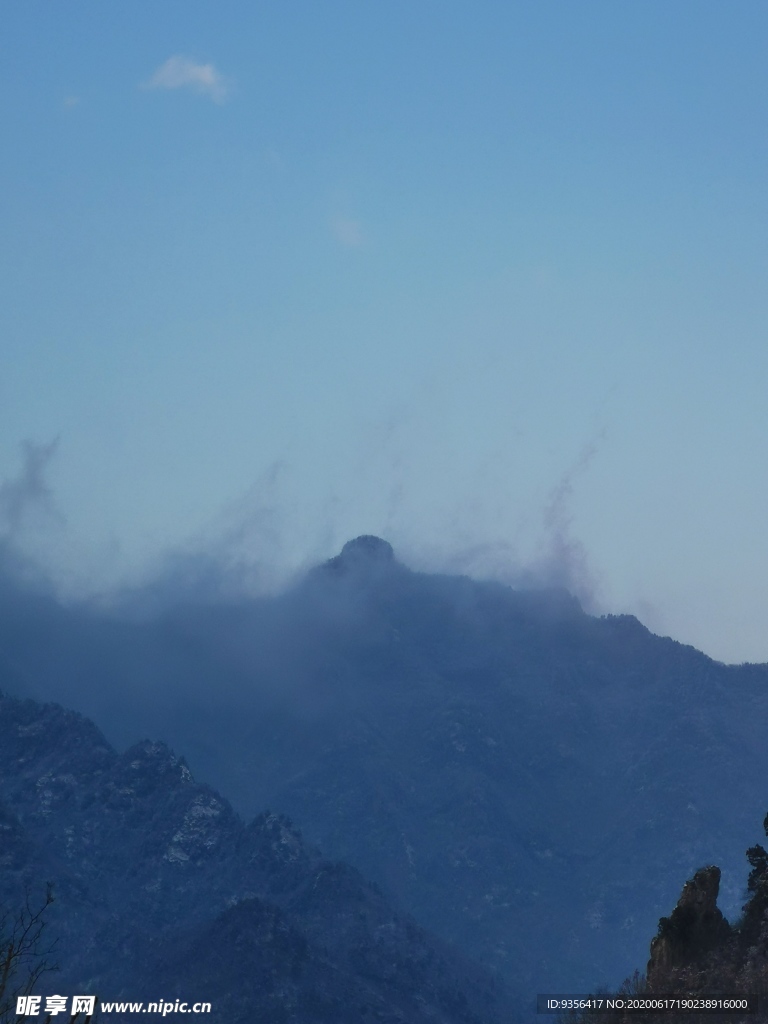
24 955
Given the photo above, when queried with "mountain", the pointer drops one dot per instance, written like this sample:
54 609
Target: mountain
161 892
530 782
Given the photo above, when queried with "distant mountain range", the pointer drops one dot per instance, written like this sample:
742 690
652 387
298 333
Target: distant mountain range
162 894
531 783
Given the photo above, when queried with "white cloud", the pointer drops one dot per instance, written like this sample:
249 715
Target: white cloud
183 73
348 232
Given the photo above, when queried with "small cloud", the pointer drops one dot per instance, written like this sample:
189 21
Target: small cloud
183 73
71 101
347 232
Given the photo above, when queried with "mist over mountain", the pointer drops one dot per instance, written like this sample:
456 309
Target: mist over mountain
530 782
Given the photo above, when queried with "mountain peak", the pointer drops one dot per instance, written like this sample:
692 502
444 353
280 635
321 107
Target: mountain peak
363 556
366 549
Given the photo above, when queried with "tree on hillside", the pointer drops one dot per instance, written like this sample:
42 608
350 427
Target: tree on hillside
24 953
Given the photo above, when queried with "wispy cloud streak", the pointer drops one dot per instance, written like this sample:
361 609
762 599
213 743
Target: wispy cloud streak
28 493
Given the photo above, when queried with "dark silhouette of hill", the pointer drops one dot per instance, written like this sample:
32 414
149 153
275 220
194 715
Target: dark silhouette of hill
531 782
163 893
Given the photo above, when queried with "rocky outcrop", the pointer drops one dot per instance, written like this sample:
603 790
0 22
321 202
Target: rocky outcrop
695 927
363 556
698 953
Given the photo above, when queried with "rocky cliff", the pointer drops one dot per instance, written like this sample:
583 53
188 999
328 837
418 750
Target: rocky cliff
694 930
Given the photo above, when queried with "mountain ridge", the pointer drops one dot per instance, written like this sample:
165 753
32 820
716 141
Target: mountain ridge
161 888
532 782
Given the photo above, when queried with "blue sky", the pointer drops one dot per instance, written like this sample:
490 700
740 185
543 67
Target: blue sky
487 279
